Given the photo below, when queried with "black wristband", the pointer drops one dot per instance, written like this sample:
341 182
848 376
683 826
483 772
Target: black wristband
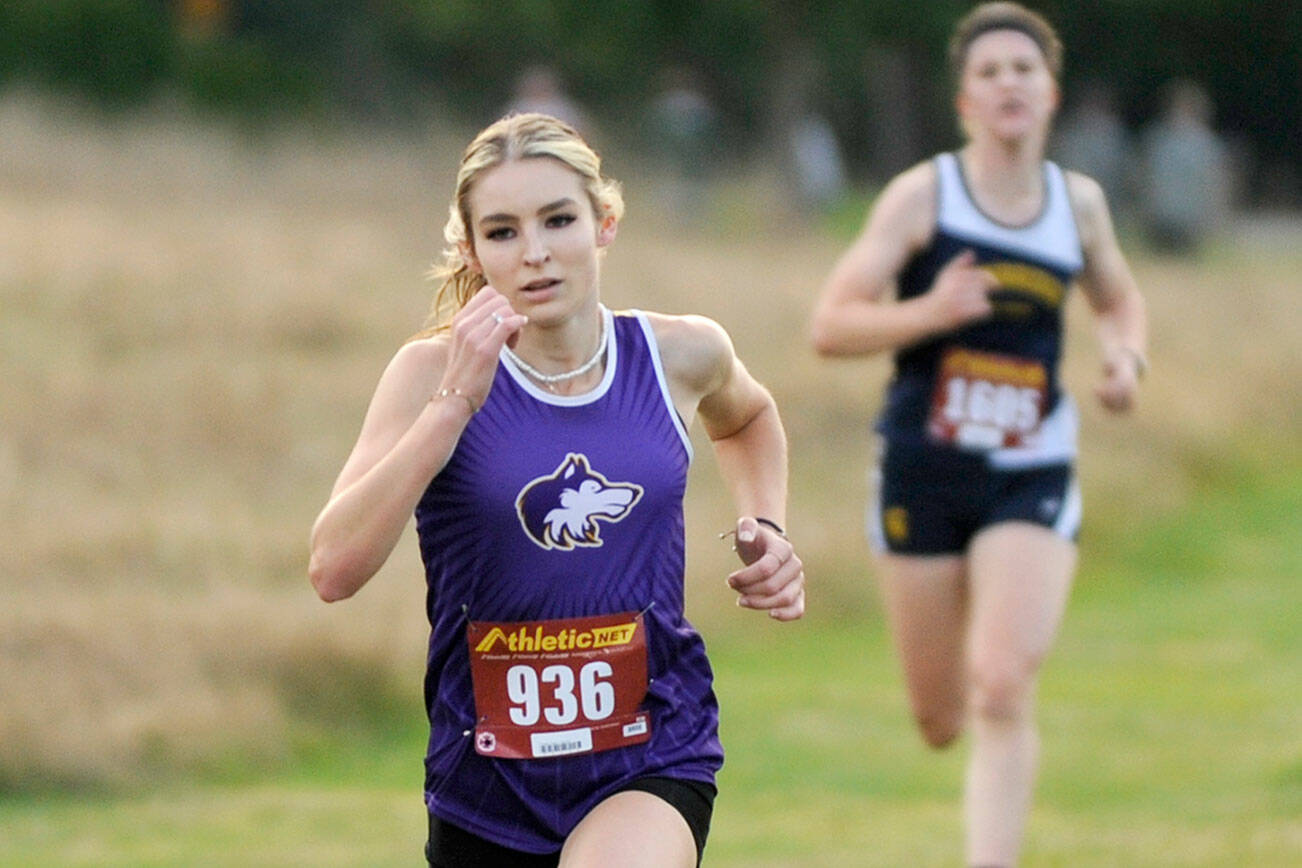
1140 360
772 525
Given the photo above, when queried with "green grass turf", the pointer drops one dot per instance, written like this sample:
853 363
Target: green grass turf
1170 718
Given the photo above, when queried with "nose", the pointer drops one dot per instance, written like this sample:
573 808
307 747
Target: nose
536 251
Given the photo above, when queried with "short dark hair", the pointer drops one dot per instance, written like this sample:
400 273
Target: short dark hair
1004 16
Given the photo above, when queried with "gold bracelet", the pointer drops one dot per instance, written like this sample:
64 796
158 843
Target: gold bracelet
446 393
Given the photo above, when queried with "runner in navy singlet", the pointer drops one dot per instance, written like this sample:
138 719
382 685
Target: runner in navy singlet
976 508
541 441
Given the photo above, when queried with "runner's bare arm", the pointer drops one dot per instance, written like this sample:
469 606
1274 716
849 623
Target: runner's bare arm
854 314
1113 294
406 438
424 399
741 419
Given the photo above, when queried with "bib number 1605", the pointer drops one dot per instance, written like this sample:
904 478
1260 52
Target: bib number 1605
1006 406
596 696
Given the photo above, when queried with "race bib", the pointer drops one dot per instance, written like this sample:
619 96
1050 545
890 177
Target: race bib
986 401
559 687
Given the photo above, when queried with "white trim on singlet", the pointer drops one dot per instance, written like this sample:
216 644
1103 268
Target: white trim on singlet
612 359
1054 442
654 346
1051 237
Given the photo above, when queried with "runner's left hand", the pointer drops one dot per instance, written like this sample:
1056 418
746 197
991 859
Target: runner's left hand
1120 383
773 578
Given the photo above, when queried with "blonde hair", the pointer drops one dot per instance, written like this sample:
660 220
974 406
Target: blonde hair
1004 16
514 137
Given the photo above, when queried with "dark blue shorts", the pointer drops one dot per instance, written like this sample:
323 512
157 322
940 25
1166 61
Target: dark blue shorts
931 501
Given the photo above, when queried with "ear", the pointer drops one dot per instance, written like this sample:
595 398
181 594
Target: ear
606 231
961 106
468 257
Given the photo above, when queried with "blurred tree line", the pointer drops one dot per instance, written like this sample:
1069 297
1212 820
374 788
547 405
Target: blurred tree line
875 70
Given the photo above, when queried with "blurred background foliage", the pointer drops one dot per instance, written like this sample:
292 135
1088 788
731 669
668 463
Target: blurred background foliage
876 70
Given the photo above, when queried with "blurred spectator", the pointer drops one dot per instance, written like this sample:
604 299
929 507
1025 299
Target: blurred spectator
895 82
805 147
1185 171
816 157
683 128
1092 140
539 89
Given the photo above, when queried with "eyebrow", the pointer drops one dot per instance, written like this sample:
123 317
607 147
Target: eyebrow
566 202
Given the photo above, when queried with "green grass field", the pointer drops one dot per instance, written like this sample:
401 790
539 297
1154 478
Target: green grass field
1170 720
190 327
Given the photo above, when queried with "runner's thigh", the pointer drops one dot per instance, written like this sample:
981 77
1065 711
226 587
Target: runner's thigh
634 829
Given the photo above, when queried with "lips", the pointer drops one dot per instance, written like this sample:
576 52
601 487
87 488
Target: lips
541 283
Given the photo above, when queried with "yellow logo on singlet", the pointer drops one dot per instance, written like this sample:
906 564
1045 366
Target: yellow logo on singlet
1025 279
896 522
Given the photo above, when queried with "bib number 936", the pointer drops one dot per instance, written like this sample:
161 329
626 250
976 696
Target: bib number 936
546 689
591 693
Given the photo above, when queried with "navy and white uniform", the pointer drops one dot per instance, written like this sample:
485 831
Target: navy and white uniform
513 530
976 428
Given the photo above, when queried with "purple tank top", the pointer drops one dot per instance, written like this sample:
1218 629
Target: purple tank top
502 541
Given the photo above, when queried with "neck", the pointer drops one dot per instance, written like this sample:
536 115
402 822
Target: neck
558 347
567 358
1007 180
1014 163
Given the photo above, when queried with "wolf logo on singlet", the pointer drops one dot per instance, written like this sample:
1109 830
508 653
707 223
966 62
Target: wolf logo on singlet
561 510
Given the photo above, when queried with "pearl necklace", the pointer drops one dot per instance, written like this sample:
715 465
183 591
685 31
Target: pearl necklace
550 380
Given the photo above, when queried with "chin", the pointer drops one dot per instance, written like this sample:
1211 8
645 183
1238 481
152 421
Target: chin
532 299
1017 134
546 311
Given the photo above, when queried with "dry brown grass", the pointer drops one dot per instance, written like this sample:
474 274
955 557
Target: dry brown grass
190 327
